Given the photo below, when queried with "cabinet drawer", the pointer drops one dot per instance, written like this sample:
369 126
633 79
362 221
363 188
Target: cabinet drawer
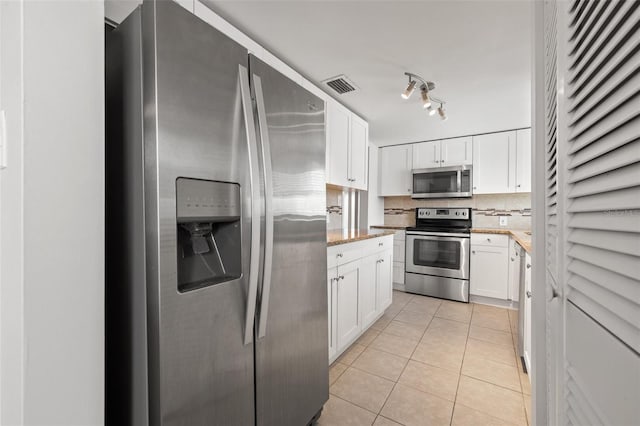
375 245
343 253
495 240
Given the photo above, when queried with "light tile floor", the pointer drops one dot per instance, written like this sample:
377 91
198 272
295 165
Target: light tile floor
428 361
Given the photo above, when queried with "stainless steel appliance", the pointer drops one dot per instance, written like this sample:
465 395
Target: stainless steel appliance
216 232
437 253
443 182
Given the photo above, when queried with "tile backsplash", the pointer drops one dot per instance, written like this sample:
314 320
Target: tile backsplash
334 208
487 208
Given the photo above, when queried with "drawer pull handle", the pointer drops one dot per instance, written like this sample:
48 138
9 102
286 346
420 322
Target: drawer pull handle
529 294
339 255
380 244
489 239
528 266
473 252
341 277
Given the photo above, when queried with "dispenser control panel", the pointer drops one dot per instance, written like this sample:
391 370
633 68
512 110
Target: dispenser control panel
203 200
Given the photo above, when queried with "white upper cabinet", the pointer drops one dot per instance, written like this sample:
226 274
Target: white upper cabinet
347 141
494 163
426 155
395 170
456 152
338 130
358 153
442 153
523 160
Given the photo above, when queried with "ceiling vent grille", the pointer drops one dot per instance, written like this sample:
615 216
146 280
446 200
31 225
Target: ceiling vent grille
341 84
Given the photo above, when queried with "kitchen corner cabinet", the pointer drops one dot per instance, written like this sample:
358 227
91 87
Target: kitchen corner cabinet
502 162
347 142
489 275
442 153
359 289
494 157
395 170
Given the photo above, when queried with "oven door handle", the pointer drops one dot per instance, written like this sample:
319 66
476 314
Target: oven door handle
437 235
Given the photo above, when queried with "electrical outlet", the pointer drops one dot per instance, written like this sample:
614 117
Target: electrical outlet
503 221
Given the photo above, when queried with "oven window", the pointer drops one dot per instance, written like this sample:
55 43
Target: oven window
435 182
436 254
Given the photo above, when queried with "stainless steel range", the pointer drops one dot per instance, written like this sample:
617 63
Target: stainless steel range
437 253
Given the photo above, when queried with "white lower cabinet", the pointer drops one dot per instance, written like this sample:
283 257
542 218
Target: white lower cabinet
527 313
398 258
331 291
359 289
514 270
489 275
348 324
384 280
368 293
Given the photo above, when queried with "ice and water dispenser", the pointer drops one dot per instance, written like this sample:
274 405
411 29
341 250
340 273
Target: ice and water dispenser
208 233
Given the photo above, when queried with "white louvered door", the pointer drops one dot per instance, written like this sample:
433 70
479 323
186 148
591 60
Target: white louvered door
592 211
554 205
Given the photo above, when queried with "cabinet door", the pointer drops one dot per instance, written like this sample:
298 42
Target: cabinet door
489 271
527 314
384 279
331 283
523 160
395 170
456 152
426 155
494 163
514 270
347 312
368 289
338 119
358 153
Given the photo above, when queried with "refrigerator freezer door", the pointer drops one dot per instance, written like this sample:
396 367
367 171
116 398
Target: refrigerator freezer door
201 371
291 352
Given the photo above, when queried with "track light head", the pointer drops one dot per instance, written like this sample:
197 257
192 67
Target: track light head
426 101
409 90
442 113
431 111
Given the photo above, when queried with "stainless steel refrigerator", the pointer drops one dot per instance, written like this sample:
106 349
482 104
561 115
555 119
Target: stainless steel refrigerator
216 231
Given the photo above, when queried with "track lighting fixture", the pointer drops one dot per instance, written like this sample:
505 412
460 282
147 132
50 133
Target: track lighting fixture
426 102
442 112
409 90
425 93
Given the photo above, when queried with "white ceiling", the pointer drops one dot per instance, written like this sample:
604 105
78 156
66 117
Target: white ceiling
477 52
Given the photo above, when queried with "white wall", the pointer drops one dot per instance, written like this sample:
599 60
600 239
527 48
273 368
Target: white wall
61 271
375 202
11 220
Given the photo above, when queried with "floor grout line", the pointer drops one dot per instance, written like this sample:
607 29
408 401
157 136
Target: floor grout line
412 327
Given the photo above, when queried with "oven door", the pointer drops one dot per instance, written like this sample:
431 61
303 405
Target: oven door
440 254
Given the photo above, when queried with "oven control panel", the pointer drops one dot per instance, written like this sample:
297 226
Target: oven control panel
444 213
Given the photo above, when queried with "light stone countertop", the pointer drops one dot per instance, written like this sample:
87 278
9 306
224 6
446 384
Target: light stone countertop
522 237
349 236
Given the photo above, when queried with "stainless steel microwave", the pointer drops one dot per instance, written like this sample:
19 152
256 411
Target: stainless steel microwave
442 182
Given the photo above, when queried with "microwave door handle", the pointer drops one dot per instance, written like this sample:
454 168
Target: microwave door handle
459 173
254 176
268 207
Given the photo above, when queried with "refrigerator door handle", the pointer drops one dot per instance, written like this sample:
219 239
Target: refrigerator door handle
254 172
268 207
